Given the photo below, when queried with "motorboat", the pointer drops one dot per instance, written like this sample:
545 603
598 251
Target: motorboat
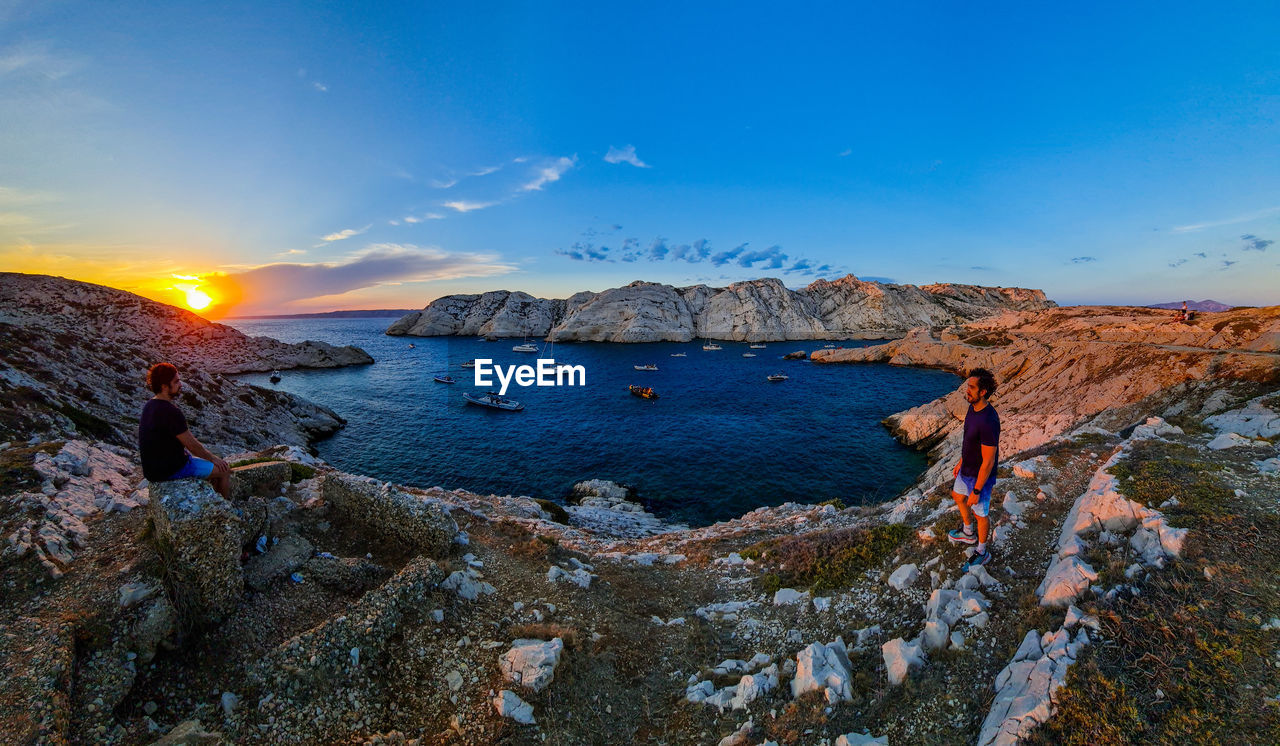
469 364
412 345
748 354
776 377
644 392
525 348
444 379
829 347
757 346
650 366
275 376
679 354
712 346
492 400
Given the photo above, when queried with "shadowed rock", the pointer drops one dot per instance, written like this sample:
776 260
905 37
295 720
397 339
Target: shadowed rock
199 535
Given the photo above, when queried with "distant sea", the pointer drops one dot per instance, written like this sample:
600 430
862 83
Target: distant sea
719 442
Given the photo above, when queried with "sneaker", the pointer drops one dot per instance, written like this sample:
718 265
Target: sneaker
978 558
960 537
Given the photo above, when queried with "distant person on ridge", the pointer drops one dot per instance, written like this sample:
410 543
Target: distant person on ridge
976 473
165 443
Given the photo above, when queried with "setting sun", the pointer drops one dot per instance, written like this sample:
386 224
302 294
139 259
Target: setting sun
198 300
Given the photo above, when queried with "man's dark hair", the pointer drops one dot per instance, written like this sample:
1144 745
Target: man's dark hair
160 375
986 381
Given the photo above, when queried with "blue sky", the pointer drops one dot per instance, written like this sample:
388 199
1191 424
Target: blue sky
337 155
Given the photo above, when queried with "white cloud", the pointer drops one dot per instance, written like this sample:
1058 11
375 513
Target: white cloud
624 155
846 152
411 219
343 235
549 173
443 183
36 59
319 86
1230 221
462 205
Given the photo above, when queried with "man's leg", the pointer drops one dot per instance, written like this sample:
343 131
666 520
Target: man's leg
965 534
221 483
983 525
962 503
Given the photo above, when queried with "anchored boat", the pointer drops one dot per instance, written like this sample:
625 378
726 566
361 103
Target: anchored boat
649 366
444 379
492 400
644 392
712 346
776 377
275 376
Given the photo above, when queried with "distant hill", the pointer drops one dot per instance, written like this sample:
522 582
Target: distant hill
374 313
1211 306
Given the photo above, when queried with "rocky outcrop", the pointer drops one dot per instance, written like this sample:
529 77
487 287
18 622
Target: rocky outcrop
756 311
1064 368
75 358
407 518
199 536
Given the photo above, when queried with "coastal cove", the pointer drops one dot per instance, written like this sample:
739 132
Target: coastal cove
720 441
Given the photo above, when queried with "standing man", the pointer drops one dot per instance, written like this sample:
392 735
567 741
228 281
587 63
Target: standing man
976 473
165 443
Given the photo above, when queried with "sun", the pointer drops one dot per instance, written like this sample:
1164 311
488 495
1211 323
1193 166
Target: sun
198 300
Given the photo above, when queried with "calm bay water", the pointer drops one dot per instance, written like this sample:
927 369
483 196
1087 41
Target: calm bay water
720 440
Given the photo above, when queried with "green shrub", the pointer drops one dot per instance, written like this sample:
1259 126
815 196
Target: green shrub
826 560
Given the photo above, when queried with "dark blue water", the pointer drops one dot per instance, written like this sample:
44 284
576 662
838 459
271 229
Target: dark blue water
719 442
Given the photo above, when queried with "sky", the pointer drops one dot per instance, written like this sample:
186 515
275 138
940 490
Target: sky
288 157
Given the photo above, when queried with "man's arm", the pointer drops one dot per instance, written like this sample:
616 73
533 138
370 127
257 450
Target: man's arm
988 466
189 441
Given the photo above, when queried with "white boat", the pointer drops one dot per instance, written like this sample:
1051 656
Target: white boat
444 379
748 354
829 347
712 346
679 354
525 348
275 376
469 364
776 377
492 400
757 346
412 345
650 366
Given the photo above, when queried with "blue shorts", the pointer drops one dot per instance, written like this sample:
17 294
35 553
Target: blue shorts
195 467
964 488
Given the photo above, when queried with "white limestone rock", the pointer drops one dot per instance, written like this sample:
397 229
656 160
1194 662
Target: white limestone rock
903 577
900 657
531 663
509 705
1228 440
1065 581
789 597
825 668
467 584
861 739
753 686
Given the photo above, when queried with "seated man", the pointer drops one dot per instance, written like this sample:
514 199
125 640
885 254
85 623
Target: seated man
165 443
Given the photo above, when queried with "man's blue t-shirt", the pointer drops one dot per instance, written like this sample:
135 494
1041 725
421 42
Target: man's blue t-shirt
981 428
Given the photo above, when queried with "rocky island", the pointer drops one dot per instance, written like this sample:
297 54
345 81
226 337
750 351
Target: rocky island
761 310
1133 596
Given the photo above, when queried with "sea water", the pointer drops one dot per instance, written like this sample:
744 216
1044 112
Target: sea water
718 442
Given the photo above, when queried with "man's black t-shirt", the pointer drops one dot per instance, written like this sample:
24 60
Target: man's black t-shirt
158 431
981 428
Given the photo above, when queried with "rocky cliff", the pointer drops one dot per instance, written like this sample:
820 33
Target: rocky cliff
761 310
74 358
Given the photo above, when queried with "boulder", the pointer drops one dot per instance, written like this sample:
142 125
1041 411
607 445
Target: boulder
753 686
1228 440
509 705
861 739
903 577
825 668
199 535
409 519
531 663
790 596
191 733
1066 579
900 657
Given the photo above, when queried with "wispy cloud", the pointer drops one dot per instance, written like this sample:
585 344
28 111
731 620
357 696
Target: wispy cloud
319 86
626 154
419 218
1178 263
443 183
345 234
36 58
1229 221
462 205
846 152
550 173
485 171
273 285
1083 259
1226 263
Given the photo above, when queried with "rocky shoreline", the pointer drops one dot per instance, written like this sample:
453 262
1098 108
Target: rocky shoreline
1140 474
761 310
